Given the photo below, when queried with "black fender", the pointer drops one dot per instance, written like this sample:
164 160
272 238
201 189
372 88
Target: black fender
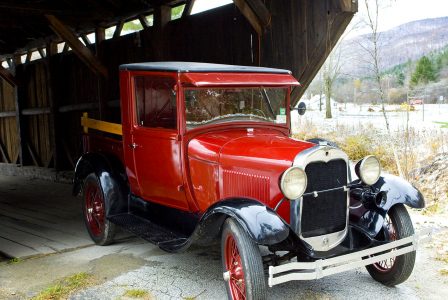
396 191
264 225
112 177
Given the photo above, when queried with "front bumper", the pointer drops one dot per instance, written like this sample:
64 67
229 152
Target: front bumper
325 267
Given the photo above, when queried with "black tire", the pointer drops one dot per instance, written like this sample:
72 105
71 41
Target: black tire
99 228
403 265
250 257
319 140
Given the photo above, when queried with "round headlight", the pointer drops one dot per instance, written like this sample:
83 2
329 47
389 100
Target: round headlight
368 169
293 183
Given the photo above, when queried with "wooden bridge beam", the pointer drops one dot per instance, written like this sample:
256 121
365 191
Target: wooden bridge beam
77 46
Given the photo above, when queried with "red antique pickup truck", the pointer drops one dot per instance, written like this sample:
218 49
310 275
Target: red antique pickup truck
204 152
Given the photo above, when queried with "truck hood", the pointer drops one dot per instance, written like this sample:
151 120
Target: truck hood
244 148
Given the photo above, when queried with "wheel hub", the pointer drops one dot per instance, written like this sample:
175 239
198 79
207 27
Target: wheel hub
94 209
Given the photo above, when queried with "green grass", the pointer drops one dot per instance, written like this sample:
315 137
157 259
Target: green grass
14 261
442 124
136 293
64 287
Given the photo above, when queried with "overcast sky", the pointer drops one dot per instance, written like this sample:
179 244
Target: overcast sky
392 13
397 12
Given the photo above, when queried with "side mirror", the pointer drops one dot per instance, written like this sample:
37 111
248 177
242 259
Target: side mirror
301 108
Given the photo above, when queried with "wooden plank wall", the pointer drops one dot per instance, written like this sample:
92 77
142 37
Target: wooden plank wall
37 128
222 37
9 141
302 35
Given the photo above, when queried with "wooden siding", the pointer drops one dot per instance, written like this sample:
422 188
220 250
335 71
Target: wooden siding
9 141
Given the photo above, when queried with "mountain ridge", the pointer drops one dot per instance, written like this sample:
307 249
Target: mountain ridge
409 41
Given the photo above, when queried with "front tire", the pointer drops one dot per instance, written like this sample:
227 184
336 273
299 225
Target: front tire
395 270
242 263
94 209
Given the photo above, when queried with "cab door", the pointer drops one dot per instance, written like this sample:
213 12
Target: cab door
154 142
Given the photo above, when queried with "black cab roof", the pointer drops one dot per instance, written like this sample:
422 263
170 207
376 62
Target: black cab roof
185 67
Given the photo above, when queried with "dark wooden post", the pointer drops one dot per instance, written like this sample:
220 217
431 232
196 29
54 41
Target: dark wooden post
188 7
19 121
162 15
100 36
53 120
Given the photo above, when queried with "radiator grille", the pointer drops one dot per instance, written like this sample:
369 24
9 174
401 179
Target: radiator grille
326 213
245 185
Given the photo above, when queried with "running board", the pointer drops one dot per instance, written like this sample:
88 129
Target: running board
325 267
149 231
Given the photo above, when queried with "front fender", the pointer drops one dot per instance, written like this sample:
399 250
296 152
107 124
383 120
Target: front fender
398 191
262 224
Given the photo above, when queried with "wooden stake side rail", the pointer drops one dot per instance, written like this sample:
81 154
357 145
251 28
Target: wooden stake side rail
87 123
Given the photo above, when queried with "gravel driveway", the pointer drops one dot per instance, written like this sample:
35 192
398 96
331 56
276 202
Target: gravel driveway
197 274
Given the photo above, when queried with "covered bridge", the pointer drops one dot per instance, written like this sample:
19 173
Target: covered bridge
60 58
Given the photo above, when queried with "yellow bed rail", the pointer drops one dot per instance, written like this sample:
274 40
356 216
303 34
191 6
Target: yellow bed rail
87 123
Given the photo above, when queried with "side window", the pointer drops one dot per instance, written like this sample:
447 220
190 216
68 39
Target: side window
156 102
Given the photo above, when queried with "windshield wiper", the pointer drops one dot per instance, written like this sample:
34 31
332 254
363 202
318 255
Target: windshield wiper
268 101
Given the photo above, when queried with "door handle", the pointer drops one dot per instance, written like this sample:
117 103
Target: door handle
133 145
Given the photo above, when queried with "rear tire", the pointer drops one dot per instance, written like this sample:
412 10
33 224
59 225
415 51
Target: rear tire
396 270
242 263
94 210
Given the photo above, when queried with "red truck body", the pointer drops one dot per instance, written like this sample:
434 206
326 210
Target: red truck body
195 162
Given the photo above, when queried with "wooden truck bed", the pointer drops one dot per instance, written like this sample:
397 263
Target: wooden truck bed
94 141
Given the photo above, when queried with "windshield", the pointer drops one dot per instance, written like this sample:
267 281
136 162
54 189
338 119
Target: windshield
212 105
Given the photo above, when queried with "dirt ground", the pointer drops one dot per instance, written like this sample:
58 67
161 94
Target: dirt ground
132 263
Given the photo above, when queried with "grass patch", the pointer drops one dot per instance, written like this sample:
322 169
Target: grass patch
443 258
432 209
136 293
356 146
14 261
444 272
64 287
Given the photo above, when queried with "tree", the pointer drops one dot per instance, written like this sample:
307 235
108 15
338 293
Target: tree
373 50
424 72
332 67
176 12
330 72
400 79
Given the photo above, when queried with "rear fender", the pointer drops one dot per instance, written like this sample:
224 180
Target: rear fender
263 225
397 190
112 177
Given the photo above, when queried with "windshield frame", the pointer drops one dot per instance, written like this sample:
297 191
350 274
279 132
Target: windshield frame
229 122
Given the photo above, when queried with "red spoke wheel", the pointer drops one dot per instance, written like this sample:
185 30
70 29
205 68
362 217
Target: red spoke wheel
395 270
390 234
242 263
94 207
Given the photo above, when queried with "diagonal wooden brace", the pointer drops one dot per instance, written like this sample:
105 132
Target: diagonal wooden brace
256 13
83 52
5 74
